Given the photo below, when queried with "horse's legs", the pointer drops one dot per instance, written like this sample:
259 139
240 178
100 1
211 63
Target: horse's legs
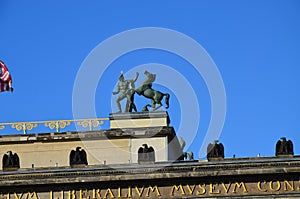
159 105
157 99
153 103
132 104
132 107
167 97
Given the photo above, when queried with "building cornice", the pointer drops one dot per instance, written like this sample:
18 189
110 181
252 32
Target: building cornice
184 169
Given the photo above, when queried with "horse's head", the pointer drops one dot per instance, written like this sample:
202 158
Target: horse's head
147 73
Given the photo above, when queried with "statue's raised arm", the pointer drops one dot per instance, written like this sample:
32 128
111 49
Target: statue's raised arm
132 82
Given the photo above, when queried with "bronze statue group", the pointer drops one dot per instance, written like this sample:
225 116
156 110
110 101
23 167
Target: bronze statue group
126 90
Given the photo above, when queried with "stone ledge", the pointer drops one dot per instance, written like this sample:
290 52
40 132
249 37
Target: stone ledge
87 135
151 171
138 115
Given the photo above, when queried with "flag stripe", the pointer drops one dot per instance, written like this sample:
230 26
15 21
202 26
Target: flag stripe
5 78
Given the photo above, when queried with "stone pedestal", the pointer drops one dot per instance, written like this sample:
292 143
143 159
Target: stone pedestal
139 120
215 159
10 169
285 156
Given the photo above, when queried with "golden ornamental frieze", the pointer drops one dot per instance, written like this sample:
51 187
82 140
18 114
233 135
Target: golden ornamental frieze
58 125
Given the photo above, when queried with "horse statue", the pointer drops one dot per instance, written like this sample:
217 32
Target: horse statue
145 89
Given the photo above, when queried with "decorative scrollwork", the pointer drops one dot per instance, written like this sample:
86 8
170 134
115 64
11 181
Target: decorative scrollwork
55 124
84 123
96 123
24 126
64 124
58 124
30 126
51 124
2 127
91 123
18 126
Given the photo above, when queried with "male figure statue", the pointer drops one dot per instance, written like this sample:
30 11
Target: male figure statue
126 90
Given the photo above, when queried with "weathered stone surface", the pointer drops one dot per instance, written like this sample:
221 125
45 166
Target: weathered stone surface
248 178
113 146
139 119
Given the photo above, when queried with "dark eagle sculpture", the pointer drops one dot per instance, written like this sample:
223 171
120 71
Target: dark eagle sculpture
215 150
10 160
78 157
146 154
284 147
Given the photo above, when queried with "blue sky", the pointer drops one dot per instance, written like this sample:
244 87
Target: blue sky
254 44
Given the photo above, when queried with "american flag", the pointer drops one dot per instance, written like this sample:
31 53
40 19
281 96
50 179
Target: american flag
5 78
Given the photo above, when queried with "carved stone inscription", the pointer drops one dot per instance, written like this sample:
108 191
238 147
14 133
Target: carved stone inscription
175 190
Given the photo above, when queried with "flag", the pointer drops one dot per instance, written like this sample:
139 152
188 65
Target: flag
5 78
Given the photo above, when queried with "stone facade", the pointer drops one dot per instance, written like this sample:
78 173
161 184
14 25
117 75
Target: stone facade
117 165
114 146
231 178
